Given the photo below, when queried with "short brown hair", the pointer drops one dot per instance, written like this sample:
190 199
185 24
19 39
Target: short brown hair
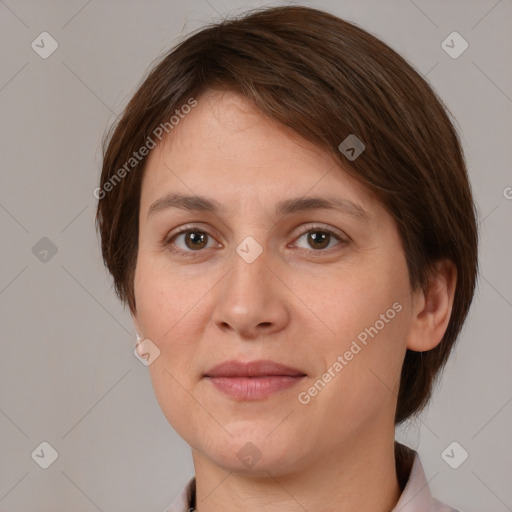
326 79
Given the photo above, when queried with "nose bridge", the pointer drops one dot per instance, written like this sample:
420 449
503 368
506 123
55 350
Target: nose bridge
249 274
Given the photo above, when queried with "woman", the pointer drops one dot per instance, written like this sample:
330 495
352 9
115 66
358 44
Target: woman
285 208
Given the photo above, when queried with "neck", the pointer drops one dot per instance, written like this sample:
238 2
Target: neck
357 476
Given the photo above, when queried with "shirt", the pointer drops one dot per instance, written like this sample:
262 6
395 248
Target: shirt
415 497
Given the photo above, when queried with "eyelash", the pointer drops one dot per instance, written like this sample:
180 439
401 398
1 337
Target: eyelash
169 239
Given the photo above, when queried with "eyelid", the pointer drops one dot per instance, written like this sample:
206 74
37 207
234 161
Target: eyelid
184 229
342 236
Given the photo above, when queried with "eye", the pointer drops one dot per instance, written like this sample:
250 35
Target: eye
189 239
321 238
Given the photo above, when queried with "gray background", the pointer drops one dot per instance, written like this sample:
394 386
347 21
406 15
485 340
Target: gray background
68 375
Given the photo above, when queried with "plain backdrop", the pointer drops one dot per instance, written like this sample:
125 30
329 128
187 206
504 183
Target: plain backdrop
68 375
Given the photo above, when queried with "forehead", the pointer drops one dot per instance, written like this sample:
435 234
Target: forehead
227 148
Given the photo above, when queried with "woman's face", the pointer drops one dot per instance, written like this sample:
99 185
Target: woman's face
269 275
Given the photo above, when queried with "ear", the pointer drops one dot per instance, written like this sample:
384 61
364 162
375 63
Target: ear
432 308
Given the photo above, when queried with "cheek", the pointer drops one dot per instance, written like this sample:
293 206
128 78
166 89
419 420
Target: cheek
366 375
167 313
167 316
165 300
354 300
366 312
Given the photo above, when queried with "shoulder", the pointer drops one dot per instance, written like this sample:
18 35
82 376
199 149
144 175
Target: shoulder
416 495
438 506
184 499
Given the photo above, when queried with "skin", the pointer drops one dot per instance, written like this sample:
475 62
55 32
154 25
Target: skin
296 304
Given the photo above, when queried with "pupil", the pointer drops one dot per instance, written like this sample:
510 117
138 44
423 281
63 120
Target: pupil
319 238
196 239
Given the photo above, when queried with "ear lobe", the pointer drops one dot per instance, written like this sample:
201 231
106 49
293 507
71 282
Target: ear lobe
432 309
137 328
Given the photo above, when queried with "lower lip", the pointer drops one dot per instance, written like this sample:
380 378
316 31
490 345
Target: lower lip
254 388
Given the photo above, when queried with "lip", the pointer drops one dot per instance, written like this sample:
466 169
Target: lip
259 368
254 380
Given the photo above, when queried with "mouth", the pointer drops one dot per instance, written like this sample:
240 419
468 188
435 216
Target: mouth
255 380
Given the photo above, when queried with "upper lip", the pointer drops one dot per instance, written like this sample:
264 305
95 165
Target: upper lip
251 369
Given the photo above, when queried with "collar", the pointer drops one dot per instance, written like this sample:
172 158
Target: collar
415 497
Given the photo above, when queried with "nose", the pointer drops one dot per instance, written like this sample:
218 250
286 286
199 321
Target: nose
251 299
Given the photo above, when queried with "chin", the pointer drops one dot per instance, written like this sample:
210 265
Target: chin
256 455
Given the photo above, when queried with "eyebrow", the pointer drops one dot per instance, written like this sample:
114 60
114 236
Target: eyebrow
195 203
